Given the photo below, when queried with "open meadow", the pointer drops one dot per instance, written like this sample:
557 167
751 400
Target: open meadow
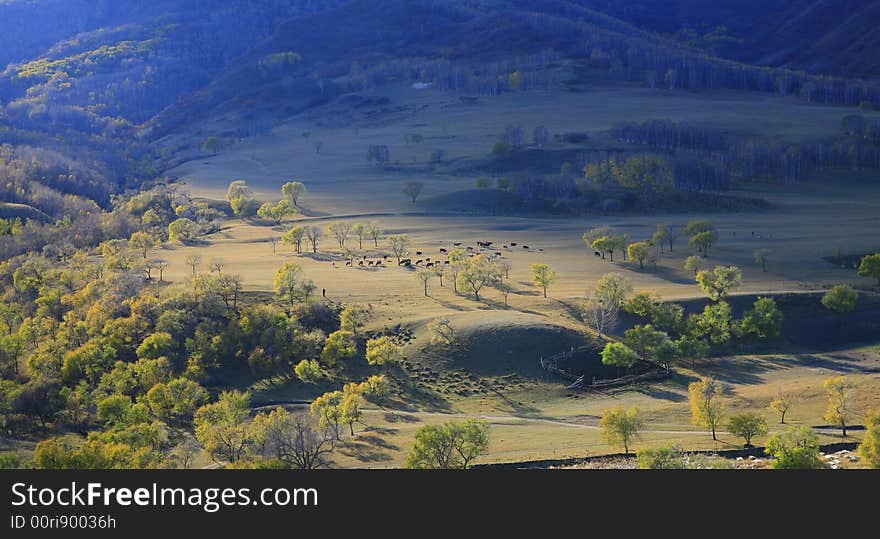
532 415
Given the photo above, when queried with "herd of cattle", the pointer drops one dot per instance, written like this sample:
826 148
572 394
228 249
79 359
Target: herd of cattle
483 247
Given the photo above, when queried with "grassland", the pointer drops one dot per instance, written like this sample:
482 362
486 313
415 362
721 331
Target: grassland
532 415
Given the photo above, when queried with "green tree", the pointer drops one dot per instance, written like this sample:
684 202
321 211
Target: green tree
454 444
176 402
618 355
294 237
142 241
718 283
383 351
413 190
703 240
239 197
328 412
221 427
340 346
747 425
714 323
353 317
693 263
781 404
763 320
288 284
707 410
640 250
841 298
613 288
650 344
839 392
620 426
795 449
275 212
309 371
543 276
476 273
293 192
182 230
761 256
424 276
869 449
870 267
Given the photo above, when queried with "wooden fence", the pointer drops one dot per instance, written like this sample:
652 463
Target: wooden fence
556 365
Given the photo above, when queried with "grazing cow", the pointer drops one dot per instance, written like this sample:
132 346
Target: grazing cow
370 263
505 246
525 246
361 263
446 263
429 265
542 250
418 253
378 263
443 250
348 263
513 244
419 262
597 253
472 255
469 248
385 257
497 253
457 244
427 259
405 261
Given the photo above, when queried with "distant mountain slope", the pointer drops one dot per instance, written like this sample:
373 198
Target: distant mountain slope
839 37
836 37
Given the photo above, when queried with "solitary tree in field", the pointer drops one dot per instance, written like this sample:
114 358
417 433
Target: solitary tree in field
477 273
640 251
398 245
424 275
193 262
870 267
694 263
354 317
293 192
454 444
747 425
839 391
841 298
504 289
620 427
359 231
707 410
781 404
718 283
413 190
543 276
761 256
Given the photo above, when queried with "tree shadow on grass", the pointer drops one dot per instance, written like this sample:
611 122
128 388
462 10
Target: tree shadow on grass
367 448
669 275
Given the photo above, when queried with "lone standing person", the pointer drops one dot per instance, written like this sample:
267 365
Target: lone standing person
324 292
